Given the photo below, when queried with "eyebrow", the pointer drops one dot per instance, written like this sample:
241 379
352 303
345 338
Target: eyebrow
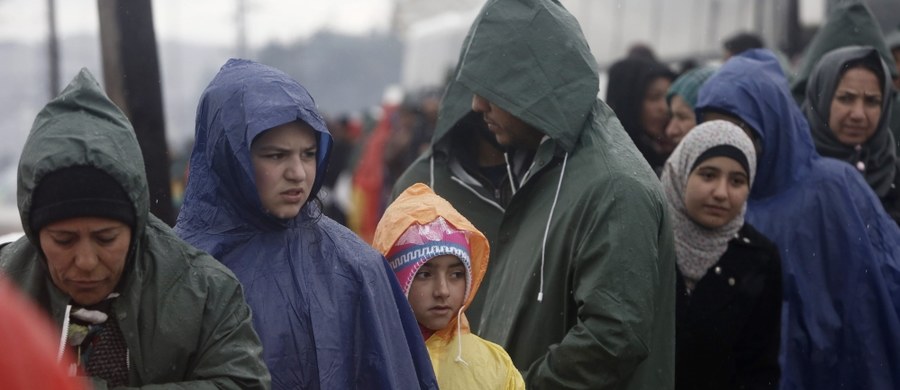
66 231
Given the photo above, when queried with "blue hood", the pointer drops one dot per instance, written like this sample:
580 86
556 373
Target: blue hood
753 88
840 250
243 100
327 308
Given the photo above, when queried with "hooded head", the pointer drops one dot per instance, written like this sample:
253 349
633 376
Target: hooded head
628 94
688 85
850 23
82 159
698 247
243 101
751 88
418 226
553 92
876 157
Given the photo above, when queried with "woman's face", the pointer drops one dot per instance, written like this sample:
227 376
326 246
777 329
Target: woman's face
86 256
716 191
683 119
655 114
284 165
856 106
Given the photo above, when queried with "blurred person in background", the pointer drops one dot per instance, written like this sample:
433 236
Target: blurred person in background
840 251
326 305
728 308
739 43
135 305
849 23
681 97
848 100
637 93
341 153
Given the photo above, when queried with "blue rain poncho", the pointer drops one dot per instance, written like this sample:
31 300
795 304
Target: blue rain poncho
329 312
840 250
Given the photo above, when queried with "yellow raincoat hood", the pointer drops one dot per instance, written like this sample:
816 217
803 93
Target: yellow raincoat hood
418 204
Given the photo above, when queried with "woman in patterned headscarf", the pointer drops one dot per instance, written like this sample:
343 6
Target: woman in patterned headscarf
729 290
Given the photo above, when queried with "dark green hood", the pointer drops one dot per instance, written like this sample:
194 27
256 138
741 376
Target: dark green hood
553 92
82 127
848 24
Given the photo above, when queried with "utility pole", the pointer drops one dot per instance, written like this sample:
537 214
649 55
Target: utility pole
53 49
133 82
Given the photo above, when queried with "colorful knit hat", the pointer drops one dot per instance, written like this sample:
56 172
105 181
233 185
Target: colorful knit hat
420 243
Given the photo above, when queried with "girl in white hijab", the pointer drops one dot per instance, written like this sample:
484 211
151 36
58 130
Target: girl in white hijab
729 287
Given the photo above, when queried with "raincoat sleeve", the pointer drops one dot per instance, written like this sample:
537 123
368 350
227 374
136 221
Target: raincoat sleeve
228 351
618 284
412 335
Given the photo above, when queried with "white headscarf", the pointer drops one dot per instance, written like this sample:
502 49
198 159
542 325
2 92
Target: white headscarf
698 247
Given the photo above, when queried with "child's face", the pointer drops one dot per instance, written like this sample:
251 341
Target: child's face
284 166
437 291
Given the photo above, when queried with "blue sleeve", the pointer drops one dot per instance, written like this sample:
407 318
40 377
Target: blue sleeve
413 335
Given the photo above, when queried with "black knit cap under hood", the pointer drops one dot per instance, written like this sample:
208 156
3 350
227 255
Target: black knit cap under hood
79 191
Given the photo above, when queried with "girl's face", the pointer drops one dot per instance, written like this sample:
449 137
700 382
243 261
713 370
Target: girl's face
655 114
284 165
716 192
438 291
856 106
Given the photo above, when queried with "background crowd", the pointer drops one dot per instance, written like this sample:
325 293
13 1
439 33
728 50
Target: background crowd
730 223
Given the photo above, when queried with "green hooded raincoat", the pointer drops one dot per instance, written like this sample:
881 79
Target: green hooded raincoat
182 313
587 228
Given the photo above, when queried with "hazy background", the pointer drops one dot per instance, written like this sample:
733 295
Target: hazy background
348 53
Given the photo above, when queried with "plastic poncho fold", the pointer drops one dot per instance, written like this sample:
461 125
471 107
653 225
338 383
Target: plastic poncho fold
328 311
840 250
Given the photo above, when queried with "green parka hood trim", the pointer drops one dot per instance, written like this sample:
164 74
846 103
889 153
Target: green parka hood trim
848 24
82 127
554 92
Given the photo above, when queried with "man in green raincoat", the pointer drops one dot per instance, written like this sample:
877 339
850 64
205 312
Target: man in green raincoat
134 304
581 291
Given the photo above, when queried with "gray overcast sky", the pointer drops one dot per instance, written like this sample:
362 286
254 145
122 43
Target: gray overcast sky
205 21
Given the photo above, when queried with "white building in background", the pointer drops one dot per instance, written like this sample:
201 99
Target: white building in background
433 30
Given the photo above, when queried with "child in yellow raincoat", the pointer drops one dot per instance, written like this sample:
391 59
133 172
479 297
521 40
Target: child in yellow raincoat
439 259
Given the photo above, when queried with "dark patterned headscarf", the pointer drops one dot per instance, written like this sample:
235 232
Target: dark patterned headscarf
876 158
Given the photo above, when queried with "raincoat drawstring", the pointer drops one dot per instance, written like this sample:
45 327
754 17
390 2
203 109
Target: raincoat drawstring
540 296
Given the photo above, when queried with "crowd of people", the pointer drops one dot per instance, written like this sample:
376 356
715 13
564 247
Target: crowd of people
729 226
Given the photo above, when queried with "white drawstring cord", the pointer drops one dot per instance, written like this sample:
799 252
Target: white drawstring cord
65 334
512 182
540 296
459 358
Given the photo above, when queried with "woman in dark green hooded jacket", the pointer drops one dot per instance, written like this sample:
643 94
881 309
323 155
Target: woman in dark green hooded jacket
136 304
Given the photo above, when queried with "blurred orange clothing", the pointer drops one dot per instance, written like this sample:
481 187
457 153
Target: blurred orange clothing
30 343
